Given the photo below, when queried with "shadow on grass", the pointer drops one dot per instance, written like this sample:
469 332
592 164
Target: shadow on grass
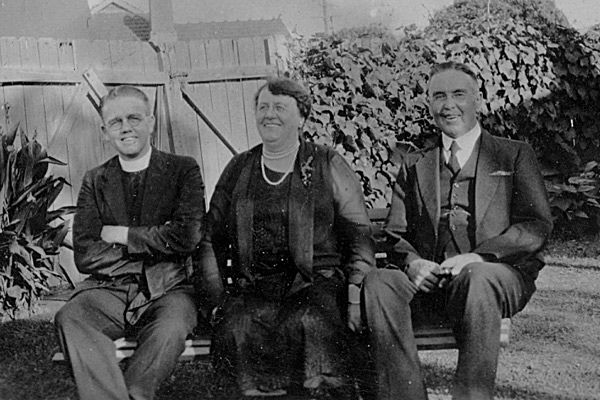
27 370
28 373
26 367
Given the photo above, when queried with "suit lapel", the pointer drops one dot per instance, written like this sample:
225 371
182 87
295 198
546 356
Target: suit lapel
428 178
243 198
485 187
301 211
112 191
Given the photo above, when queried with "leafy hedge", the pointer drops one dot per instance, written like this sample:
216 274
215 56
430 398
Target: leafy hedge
370 101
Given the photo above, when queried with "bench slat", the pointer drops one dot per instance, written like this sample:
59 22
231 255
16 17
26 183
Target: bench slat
124 348
438 338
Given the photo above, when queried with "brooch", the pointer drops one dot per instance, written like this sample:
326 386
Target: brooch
306 171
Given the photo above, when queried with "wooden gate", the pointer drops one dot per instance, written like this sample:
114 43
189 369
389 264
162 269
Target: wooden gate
202 93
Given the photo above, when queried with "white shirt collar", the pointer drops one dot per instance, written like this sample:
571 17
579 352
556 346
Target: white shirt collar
136 165
466 143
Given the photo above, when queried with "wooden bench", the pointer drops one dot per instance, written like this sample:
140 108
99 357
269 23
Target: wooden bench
427 337
431 337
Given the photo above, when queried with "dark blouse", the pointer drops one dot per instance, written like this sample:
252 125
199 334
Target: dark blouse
273 266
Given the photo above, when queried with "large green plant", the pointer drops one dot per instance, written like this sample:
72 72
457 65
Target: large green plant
576 202
30 232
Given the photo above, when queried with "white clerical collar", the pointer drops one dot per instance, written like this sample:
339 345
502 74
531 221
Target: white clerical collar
466 142
137 165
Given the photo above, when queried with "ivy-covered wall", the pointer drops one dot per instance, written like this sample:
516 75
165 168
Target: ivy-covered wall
371 102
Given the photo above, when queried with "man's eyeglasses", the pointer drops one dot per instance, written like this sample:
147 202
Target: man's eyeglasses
133 120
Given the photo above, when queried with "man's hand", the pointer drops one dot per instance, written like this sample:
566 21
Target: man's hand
114 234
454 265
421 273
354 318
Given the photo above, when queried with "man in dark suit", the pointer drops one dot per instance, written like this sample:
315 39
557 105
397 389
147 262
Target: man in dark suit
468 218
138 219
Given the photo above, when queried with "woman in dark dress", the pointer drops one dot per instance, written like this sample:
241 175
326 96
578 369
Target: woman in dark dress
290 218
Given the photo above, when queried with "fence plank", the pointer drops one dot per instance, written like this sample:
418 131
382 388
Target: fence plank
183 121
270 50
238 135
51 94
66 62
208 148
162 130
208 140
182 57
60 148
219 100
13 94
150 58
197 57
126 56
32 94
230 56
3 105
246 52
211 168
249 88
3 111
92 54
260 54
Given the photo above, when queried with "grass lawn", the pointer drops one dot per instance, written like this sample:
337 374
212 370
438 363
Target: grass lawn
554 352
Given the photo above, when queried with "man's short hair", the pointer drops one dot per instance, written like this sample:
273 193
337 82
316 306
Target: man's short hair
456 66
125 91
288 87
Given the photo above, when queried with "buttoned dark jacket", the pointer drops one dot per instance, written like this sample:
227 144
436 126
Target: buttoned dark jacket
170 223
327 228
512 214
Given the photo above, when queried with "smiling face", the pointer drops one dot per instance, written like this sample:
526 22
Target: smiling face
131 142
454 100
277 119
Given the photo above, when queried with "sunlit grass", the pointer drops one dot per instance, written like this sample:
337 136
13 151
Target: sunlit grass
553 353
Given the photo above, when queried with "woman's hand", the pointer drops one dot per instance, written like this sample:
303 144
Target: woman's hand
354 317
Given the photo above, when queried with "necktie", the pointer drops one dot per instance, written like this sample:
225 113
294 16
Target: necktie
453 162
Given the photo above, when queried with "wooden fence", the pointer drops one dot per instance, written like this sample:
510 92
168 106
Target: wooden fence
202 93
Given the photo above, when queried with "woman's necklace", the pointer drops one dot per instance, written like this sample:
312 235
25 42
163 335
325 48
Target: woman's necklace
264 173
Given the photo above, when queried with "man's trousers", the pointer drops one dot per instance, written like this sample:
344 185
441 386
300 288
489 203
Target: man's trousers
474 302
89 322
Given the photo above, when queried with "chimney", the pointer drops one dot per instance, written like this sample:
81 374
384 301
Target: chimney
161 22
